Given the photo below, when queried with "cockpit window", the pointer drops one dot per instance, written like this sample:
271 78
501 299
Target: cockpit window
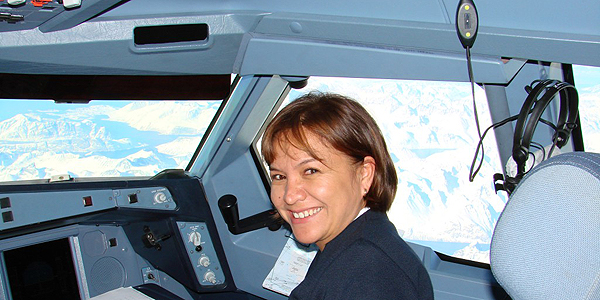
587 81
431 135
40 139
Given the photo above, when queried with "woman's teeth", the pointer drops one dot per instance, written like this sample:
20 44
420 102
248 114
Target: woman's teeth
306 213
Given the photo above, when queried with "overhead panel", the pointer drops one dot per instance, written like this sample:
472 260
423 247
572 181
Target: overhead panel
49 15
21 15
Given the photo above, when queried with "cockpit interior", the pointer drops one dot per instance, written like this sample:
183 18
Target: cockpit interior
130 159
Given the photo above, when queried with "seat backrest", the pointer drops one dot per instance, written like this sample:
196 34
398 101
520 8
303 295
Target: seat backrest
546 244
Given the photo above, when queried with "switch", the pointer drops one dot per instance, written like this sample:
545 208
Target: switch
16 2
195 238
467 21
40 3
133 198
5 202
71 3
7 216
87 201
160 197
112 242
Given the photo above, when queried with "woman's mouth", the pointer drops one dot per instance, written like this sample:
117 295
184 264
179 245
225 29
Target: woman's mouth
307 213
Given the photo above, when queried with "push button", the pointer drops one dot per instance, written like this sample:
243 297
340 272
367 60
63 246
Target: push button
4 202
7 216
87 201
133 198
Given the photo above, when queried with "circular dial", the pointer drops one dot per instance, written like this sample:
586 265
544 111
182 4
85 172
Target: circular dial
210 277
204 261
195 238
160 197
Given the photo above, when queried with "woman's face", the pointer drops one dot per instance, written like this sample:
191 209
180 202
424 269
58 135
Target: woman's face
318 198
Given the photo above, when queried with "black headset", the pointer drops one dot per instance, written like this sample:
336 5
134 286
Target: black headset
541 93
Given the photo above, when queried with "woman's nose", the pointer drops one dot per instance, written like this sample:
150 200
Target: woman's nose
294 192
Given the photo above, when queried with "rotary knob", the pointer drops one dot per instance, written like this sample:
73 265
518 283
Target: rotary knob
204 261
210 277
160 197
195 238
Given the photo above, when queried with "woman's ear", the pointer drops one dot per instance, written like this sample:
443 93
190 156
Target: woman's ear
367 173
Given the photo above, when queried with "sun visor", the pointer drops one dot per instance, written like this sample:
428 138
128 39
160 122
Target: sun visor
83 88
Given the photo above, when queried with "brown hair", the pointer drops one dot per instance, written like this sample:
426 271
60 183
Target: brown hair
345 125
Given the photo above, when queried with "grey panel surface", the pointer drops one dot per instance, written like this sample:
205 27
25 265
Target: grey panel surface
84 49
424 28
33 208
314 58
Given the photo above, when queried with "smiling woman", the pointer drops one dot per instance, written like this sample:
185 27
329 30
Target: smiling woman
333 181
429 132
318 197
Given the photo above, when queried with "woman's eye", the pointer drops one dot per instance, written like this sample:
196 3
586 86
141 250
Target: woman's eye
277 177
310 171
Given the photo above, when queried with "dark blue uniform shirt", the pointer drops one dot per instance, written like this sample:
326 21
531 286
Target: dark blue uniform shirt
368 260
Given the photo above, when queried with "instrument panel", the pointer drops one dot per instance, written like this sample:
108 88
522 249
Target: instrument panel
77 241
32 208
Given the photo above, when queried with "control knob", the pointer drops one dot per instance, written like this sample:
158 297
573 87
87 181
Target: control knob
160 197
210 277
195 238
204 261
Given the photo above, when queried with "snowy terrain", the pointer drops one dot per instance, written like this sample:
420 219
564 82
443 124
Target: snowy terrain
138 139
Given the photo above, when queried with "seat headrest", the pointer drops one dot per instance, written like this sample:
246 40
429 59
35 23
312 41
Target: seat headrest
546 244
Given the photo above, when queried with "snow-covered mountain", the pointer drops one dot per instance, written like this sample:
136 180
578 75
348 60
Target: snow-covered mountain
138 139
180 118
39 131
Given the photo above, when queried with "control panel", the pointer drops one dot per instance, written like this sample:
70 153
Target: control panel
201 253
19 209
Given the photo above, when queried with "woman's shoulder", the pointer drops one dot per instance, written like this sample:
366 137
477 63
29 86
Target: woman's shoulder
380 249
380 231
389 253
369 261
374 233
364 270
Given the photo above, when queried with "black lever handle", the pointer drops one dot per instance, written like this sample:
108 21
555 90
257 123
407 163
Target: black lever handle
229 210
